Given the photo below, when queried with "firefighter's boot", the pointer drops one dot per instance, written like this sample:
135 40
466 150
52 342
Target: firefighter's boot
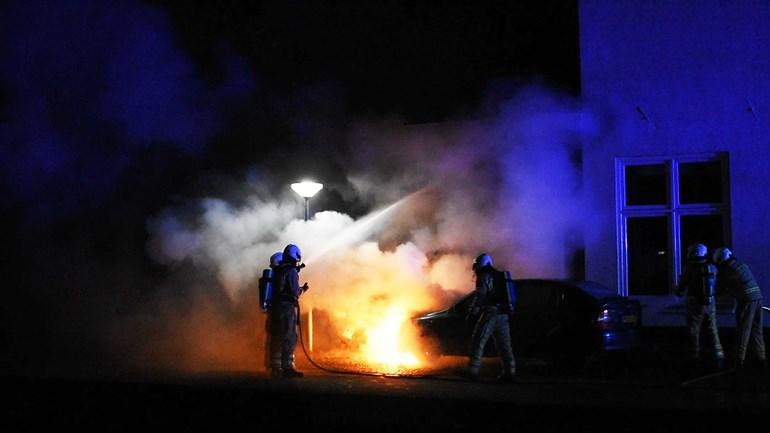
472 372
291 373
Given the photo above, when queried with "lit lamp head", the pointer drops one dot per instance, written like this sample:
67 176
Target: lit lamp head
306 190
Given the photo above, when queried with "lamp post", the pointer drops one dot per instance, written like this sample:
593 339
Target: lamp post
306 190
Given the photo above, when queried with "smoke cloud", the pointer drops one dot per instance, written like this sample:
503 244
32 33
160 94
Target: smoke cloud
101 111
509 185
105 121
93 89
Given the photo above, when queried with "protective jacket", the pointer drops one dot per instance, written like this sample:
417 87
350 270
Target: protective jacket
287 283
490 290
737 278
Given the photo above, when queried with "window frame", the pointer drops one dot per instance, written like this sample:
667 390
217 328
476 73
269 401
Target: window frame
673 210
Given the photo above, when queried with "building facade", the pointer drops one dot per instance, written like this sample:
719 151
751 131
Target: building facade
682 91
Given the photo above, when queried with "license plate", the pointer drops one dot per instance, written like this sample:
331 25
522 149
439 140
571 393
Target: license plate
629 319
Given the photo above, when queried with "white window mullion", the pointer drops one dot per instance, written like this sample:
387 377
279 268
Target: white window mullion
676 228
673 210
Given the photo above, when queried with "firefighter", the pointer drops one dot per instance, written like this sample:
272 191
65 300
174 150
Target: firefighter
491 312
736 277
284 311
698 283
273 345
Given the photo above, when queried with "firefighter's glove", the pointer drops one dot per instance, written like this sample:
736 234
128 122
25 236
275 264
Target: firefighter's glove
305 288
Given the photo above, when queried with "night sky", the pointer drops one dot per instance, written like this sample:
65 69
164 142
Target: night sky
111 111
427 61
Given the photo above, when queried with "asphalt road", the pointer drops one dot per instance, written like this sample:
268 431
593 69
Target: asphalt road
435 400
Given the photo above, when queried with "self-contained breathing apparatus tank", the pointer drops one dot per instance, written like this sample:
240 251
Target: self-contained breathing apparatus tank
510 290
266 289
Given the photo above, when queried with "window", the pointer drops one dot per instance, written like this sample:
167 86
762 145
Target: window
663 205
646 184
700 182
647 259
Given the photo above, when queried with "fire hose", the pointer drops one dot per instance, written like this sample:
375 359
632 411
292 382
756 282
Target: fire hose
349 372
264 299
375 374
430 376
718 373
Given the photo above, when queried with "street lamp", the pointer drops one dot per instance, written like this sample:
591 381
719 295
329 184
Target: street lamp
306 190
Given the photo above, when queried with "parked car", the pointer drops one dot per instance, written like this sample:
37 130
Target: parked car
564 321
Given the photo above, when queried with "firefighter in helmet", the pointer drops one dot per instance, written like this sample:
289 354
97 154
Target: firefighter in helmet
736 277
273 345
490 309
284 313
698 284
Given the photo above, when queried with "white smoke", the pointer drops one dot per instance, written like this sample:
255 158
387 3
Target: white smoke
509 186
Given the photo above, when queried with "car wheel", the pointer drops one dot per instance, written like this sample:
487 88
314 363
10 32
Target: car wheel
569 363
430 349
567 356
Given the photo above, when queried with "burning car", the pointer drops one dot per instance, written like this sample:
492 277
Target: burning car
564 321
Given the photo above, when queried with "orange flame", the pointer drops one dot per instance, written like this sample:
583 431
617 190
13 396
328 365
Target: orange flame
364 300
382 345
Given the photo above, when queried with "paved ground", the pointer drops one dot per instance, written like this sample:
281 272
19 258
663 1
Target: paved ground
438 401
649 391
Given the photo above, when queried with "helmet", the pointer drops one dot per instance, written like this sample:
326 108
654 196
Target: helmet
697 250
275 259
292 252
482 260
722 254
